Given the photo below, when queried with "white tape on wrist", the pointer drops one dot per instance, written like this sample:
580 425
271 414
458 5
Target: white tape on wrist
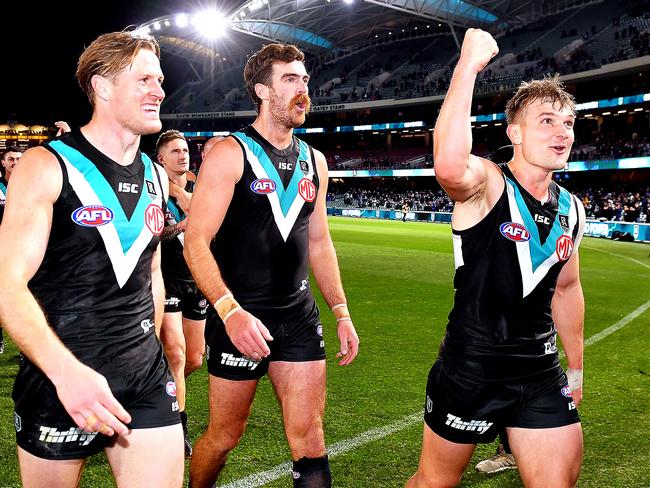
574 377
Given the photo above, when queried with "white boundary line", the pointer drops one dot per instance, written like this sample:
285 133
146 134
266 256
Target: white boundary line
341 447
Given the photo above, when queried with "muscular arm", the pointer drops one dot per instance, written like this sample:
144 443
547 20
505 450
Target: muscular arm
35 186
220 171
568 307
461 174
323 262
180 195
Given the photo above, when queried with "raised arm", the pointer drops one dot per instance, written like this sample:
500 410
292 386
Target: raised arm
35 186
323 262
220 172
461 174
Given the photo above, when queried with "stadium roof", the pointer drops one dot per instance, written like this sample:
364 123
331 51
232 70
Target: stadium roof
328 27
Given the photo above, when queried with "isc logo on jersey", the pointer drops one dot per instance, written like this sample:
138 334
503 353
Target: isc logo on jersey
92 216
263 186
514 232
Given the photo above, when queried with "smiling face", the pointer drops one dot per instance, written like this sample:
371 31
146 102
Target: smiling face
288 98
544 131
135 94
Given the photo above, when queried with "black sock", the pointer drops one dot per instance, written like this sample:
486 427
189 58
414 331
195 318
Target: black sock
503 438
1 336
312 473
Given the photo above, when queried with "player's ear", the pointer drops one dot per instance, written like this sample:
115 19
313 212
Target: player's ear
514 133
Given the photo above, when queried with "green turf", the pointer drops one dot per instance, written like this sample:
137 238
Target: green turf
398 278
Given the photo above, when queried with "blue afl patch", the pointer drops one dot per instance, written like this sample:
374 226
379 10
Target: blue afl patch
566 391
92 216
514 232
263 186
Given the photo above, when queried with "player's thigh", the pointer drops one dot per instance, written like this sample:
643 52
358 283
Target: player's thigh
36 472
148 457
535 450
230 404
300 387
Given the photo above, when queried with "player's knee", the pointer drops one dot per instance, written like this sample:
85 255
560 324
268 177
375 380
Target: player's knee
225 438
312 473
192 363
434 479
175 355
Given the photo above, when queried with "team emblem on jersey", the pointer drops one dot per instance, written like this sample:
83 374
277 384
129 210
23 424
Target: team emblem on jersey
154 218
92 216
564 221
307 190
304 166
566 391
564 247
151 188
170 388
263 186
514 232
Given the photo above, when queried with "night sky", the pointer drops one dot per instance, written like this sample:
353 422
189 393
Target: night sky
41 46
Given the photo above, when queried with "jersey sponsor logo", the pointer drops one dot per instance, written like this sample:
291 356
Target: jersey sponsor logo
52 435
285 165
481 426
154 218
564 247
514 231
172 301
18 422
92 216
307 190
263 186
238 362
170 388
123 187
542 219
566 391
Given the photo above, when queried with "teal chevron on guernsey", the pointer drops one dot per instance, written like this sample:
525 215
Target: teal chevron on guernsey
286 203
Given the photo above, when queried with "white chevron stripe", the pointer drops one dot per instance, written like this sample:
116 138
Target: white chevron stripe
123 264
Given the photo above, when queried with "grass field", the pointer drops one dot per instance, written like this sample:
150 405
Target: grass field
398 278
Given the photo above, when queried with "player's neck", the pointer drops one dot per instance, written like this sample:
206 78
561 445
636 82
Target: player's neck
112 139
178 179
535 180
279 137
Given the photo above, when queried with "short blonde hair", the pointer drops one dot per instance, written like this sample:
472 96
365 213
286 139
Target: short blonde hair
108 55
548 89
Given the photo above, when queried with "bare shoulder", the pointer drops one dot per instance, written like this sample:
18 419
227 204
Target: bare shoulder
39 172
321 162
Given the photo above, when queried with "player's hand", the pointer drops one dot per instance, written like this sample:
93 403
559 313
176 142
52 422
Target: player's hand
88 399
349 342
63 127
249 335
577 396
182 225
478 48
181 196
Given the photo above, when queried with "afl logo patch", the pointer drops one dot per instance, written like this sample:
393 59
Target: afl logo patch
566 391
170 388
154 218
564 247
514 232
307 190
263 186
92 216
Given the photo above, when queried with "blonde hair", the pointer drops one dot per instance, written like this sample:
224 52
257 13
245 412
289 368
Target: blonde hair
548 89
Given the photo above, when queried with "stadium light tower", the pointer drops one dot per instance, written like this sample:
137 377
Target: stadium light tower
210 24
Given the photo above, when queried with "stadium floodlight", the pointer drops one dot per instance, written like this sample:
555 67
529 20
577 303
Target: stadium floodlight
210 23
182 20
349 2
156 26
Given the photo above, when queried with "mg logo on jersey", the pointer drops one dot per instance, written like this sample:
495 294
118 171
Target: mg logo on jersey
514 232
564 247
92 216
154 218
307 190
263 186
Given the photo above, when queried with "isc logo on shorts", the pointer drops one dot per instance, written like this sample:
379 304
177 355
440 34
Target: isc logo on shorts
92 216
514 232
263 186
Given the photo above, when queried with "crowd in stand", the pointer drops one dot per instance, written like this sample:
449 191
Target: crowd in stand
611 204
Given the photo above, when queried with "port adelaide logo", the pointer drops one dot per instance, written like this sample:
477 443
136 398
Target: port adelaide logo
514 232
263 186
92 216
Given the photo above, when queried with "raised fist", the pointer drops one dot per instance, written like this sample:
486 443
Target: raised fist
478 48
